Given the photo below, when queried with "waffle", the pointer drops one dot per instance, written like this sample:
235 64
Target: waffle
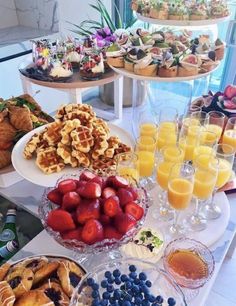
122 148
68 127
98 122
49 161
65 153
99 131
82 139
100 146
113 143
52 134
32 146
82 158
103 163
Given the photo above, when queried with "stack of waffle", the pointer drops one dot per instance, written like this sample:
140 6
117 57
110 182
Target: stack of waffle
77 138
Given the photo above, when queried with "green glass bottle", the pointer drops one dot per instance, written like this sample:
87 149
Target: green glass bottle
8 250
9 232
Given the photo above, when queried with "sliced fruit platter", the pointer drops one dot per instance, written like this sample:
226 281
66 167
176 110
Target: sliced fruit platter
39 280
91 213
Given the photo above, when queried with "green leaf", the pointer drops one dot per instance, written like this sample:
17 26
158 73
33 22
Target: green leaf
80 28
18 136
92 22
106 16
131 22
3 105
119 21
37 124
21 102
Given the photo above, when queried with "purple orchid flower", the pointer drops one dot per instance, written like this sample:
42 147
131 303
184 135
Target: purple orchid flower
104 37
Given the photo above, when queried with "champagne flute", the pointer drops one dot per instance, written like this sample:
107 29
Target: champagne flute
196 118
180 190
215 122
204 183
147 124
229 136
127 165
145 149
169 156
224 166
206 143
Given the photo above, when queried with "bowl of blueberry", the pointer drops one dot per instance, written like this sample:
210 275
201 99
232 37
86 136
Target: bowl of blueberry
128 282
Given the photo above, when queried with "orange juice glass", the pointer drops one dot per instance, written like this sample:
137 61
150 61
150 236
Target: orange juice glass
167 134
215 122
148 129
127 165
229 136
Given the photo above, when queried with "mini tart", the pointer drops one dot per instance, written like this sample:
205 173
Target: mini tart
69 275
3 270
168 72
129 65
178 17
158 14
208 65
150 70
55 293
34 298
20 280
117 62
148 245
44 273
7 296
187 70
32 263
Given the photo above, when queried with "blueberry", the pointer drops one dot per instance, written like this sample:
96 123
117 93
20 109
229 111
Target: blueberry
171 301
110 288
128 285
106 295
107 274
126 303
145 303
96 302
95 286
112 299
122 287
132 268
142 276
151 298
95 294
104 283
117 294
148 284
144 289
136 281
133 275
124 277
159 299
116 272
138 300
104 302
110 280
135 289
90 281
117 281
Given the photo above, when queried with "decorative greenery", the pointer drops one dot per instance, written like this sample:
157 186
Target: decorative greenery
88 27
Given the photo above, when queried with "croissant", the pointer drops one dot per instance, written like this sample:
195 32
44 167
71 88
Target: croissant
20 118
5 158
7 131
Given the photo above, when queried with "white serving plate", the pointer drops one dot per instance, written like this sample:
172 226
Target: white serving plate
132 75
29 170
183 23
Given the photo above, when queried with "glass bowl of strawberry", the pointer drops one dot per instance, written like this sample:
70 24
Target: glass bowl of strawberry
88 213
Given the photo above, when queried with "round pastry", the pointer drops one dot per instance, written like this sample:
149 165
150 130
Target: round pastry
69 275
34 264
20 280
45 272
4 269
7 296
147 244
34 298
55 293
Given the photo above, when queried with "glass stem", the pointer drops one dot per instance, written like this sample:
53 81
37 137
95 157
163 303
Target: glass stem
176 218
212 197
197 206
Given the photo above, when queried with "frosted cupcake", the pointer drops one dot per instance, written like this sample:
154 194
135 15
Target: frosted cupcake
115 56
178 12
218 9
159 10
148 245
145 66
61 69
198 12
169 67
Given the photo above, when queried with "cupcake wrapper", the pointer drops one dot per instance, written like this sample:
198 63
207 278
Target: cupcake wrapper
150 70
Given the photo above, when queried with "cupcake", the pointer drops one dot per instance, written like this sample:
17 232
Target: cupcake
218 9
219 49
198 11
92 66
159 10
74 58
209 62
178 11
169 67
115 56
148 245
145 65
61 69
130 59
189 66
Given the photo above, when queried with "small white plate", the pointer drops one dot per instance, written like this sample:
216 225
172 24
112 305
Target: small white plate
29 170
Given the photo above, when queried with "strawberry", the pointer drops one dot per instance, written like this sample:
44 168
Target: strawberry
104 219
117 181
55 196
92 231
124 222
111 233
73 234
88 209
67 185
108 192
99 180
60 220
81 183
134 210
90 191
70 200
134 192
111 206
125 196
86 175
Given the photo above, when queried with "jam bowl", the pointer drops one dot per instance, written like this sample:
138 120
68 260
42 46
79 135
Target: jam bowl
78 245
130 279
